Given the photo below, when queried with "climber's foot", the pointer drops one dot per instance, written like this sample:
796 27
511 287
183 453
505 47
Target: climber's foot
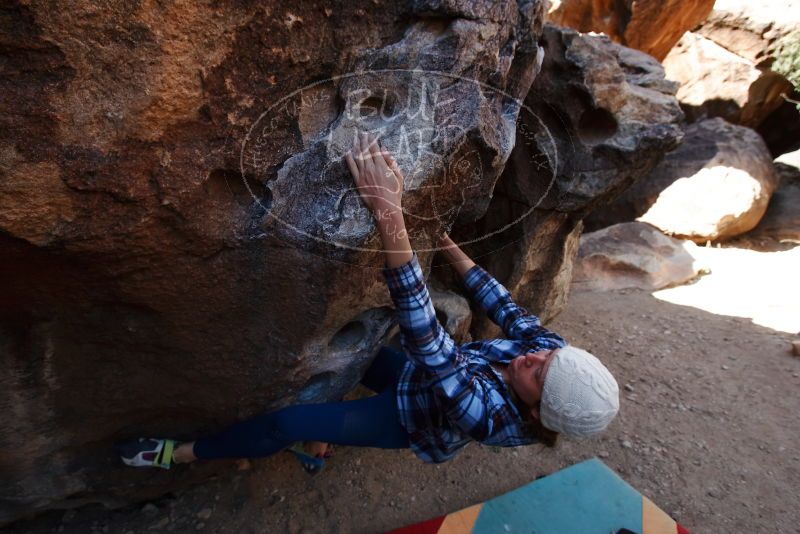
318 449
147 452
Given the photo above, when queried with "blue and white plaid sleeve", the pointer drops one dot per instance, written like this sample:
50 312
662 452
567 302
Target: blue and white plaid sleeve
425 342
428 345
515 320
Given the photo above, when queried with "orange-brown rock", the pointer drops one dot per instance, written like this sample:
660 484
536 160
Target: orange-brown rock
725 69
181 244
652 26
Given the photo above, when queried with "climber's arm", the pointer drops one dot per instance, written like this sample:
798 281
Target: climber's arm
380 184
456 257
495 299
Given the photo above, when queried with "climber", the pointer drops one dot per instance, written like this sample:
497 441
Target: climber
435 396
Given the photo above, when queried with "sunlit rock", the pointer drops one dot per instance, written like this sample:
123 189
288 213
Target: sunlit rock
715 185
714 82
753 30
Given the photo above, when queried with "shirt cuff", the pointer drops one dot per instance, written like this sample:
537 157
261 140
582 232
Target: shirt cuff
404 278
475 278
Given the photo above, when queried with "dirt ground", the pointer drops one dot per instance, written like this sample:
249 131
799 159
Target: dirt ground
708 430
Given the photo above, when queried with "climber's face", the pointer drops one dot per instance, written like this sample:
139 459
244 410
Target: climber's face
526 375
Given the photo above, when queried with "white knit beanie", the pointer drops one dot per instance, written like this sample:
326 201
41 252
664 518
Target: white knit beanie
580 397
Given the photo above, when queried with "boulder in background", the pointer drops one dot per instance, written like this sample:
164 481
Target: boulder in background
632 255
715 185
598 117
751 34
752 30
715 82
651 26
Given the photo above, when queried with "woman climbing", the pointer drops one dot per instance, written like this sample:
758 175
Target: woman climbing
435 396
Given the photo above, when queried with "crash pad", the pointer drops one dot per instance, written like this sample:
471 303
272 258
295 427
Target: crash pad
586 498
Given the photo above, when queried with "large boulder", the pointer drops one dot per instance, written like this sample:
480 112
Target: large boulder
651 26
715 82
632 255
598 117
714 186
182 246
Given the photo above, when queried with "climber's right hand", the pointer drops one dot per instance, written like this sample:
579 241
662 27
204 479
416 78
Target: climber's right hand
377 177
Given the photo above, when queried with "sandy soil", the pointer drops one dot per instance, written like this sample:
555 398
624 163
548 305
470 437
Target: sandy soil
758 285
708 430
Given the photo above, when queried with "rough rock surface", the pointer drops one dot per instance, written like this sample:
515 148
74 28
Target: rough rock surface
175 217
788 167
782 218
652 26
453 312
715 185
715 82
747 36
632 255
752 29
597 118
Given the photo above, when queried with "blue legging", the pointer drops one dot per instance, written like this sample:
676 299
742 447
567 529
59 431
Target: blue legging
367 422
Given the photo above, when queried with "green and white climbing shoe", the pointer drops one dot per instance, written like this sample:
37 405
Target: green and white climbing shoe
147 452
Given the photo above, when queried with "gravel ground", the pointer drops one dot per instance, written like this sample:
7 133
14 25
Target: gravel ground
708 429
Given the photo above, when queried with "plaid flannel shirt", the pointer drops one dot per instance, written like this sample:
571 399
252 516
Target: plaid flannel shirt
449 395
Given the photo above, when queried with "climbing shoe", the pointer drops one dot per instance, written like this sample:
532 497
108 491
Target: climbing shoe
147 452
310 464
